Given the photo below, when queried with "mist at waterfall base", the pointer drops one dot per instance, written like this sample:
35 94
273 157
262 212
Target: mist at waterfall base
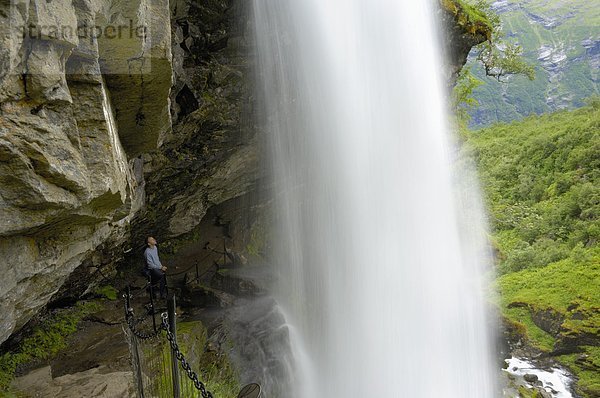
380 258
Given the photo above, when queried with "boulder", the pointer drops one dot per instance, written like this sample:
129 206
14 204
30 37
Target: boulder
530 378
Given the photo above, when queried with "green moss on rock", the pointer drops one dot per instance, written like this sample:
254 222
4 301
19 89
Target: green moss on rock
471 17
586 365
107 291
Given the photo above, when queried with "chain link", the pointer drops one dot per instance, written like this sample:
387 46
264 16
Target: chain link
179 355
131 322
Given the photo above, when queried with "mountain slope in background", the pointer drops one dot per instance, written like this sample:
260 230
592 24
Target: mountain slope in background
562 39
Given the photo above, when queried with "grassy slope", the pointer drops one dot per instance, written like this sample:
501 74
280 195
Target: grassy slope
541 177
502 102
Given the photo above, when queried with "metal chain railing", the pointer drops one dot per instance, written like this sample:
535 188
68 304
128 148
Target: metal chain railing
168 324
195 264
184 363
132 323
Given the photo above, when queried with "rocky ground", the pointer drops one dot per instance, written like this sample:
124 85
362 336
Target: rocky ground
95 362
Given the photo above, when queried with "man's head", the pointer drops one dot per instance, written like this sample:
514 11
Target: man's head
151 241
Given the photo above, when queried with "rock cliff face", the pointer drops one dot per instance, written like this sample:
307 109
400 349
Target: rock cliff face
212 153
459 35
68 178
113 126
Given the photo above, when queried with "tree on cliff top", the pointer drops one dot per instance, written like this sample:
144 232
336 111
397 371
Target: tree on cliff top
499 57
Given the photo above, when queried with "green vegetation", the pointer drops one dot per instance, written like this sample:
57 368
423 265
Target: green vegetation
500 58
474 17
568 288
586 366
558 38
541 179
213 368
462 94
107 291
46 340
526 393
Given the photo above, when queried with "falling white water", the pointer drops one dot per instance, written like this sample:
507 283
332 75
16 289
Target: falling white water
380 277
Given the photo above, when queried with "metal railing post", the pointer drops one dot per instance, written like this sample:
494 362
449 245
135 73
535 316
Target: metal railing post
152 306
174 363
134 346
127 300
138 365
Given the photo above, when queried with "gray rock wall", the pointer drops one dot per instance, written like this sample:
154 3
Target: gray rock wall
67 184
212 153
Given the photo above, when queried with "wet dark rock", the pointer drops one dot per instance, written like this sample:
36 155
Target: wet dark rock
531 378
541 393
262 348
248 281
211 156
548 320
197 295
108 316
578 316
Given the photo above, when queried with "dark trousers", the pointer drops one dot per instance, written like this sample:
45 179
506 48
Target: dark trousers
158 276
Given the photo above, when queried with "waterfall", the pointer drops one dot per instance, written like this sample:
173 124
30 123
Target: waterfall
380 276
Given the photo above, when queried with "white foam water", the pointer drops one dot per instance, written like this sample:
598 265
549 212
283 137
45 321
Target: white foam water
380 265
555 380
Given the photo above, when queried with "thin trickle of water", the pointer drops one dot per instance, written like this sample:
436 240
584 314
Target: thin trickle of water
379 279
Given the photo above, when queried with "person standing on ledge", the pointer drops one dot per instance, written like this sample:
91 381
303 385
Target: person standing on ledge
155 268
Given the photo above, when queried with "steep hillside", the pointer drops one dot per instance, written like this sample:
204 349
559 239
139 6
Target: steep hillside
541 179
562 39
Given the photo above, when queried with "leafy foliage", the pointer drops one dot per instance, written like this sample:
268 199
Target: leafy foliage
501 60
473 17
541 179
500 57
462 94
